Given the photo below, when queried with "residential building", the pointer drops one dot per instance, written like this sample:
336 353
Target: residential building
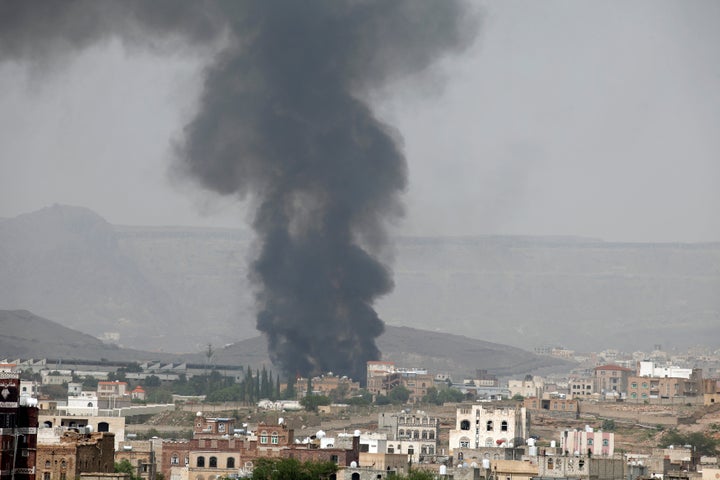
414 434
143 455
329 385
528 387
647 368
581 388
580 467
18 428
116 389
611 379
580 442
477 426
642 388
558 404
76 453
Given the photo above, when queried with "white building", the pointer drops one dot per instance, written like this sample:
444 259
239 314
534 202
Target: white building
582 442
529 387
477 426
649 369
85 404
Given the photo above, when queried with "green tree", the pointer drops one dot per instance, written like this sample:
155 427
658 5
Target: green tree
703 444
363 397
289 393
291 469
124 466
608 424
312 402
398 395
152 381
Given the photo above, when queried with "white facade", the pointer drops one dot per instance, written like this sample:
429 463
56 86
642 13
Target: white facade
84 404
477 426
649 369
527 388
581 442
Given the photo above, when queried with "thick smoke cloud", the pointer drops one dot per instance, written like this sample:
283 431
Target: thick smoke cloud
282 118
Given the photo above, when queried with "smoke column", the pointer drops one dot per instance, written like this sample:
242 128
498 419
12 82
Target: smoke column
282 118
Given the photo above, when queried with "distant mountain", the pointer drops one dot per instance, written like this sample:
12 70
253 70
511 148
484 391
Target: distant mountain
24 335
178 289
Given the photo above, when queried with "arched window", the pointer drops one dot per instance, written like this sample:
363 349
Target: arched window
213 462
103 427
465 425
411 450
47 463
199 477
47 424
415 434
424 435
230 462
200 462
489 442
90 404
174 459
355 476
489 427
431 435
264 437
401 433
274 439
504 426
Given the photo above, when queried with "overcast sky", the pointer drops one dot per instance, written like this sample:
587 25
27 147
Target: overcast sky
597 119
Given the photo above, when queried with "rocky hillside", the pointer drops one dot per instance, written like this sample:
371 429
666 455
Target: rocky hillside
178 289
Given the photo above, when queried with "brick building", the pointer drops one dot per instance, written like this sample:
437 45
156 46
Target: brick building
75 454
611 379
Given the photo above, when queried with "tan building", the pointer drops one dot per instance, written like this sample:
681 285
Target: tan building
643 388
581 388
611 379
555 404
329 385
75 454
528 387
143 455
116 389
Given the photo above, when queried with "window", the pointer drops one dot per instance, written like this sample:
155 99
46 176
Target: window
264 437
489 427
174 460
47 463
274 439
213 462
465 425
411 450
550 463
334 458
431 435
46 476
606 442
200 462
504 426
633 384
424 435
391 449
221 427
590 441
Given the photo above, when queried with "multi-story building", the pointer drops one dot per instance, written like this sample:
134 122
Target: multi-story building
477 426
647 368
112 390
383 377
328 385
558 405
415 434
580 442
611 379
76 453
581 387
643 388
528 387
18 428
143 456
417 381
580 467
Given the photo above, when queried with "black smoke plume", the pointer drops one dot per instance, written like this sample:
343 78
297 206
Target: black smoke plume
282 117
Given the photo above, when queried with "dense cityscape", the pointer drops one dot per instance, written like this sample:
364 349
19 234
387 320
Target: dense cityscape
611 415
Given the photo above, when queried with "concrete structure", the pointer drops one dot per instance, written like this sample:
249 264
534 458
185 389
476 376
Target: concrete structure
143 455
329 385
53 427
528 387
581 442
568 407
477 426
580 467
642 388
650 369
611 379
116 389
581 387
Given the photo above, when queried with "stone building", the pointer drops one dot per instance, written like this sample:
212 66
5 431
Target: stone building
143 455
580 467
76 453
413 434
577 442
477 426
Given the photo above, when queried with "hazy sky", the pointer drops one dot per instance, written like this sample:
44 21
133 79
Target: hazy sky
593 118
